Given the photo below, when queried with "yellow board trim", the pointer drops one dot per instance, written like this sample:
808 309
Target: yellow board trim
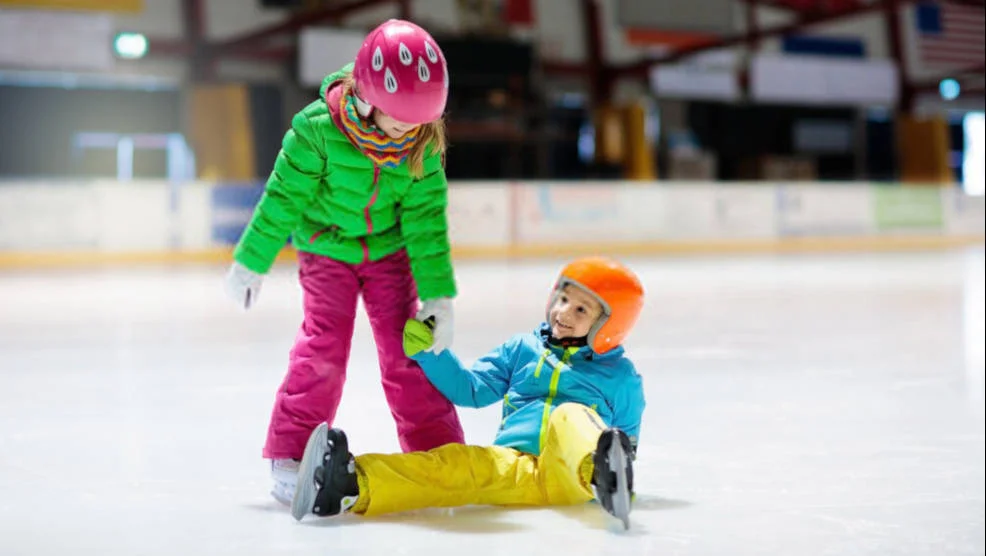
36 259
781 245
119 6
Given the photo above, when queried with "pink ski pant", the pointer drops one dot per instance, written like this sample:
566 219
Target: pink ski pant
312 389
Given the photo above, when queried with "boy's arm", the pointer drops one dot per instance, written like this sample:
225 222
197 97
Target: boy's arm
628 409
295 178
484 384
424 223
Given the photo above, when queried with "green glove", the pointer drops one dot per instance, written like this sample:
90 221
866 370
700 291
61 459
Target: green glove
417 337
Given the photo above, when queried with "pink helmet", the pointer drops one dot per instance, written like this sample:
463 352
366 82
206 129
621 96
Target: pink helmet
400 70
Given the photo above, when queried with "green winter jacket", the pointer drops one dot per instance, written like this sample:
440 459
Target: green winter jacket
335 202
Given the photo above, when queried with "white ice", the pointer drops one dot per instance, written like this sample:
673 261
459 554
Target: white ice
798 405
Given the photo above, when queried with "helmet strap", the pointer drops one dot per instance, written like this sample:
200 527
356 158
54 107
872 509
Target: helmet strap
568 342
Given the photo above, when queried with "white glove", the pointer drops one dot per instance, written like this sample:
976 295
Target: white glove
440 311
243 285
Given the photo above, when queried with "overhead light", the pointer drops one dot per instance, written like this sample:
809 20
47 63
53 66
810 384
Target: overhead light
130 46
949 89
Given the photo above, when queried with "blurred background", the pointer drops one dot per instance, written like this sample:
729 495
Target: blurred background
760 120
799 184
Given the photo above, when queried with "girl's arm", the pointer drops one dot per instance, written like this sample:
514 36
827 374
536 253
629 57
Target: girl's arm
424 224
294 180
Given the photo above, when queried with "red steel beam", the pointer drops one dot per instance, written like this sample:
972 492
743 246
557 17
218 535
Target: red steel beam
292 24
599 83
977 88
248 46
891 22
752 21
978 69
601 79
641 68
927 85
564 69
266 54
973 3
193 20
167 48
776 4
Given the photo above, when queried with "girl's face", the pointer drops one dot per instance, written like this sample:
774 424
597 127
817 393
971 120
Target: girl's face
573 313
393 128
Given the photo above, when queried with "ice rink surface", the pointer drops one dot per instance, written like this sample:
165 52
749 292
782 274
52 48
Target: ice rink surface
797 405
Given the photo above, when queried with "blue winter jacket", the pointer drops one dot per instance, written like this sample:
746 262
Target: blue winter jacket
532 378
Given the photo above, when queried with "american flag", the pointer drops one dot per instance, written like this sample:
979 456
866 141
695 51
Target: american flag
950 35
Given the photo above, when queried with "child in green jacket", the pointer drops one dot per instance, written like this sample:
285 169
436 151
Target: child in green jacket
360 186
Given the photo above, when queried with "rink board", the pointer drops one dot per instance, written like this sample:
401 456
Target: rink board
79 222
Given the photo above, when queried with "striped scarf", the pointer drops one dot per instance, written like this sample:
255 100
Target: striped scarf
381 149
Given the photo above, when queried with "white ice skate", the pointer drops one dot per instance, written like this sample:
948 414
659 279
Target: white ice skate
304 494
284 473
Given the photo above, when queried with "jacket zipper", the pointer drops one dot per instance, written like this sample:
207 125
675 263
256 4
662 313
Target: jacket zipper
552 392
366 212
319 233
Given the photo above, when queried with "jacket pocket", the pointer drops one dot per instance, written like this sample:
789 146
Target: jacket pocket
332 230
508 409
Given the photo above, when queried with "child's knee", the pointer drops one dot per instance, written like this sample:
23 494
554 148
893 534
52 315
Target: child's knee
569 407
569 411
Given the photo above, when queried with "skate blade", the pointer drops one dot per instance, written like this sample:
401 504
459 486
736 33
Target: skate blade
304 494
621 497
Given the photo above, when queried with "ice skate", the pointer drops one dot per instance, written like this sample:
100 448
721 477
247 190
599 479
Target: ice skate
284 473
327 477
612 478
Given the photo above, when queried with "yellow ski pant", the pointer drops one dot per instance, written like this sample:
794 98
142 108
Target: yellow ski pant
459 475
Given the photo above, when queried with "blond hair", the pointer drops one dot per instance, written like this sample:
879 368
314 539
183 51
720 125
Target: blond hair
431 136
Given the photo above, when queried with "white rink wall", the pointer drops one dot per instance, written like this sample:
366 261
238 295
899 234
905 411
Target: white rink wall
45 223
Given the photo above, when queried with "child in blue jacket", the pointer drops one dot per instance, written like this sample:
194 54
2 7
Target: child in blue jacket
572 405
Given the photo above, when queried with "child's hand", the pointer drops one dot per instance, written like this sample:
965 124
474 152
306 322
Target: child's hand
417 337
243 285
437 313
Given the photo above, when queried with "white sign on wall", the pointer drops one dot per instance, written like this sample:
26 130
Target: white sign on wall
824 210
52 40
707 211
964 214
822 81
584 212
746 211
322 51
694 83
479 214
41 217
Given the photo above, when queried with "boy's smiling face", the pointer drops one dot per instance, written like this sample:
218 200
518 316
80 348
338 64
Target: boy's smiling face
573 313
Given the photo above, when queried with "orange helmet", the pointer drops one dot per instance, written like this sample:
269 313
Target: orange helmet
618 290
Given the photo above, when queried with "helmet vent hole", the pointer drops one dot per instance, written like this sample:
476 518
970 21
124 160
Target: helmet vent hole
389 81
404 53
431 53
377 59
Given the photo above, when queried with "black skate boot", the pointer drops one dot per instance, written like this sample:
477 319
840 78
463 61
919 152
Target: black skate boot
327 483
612 477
